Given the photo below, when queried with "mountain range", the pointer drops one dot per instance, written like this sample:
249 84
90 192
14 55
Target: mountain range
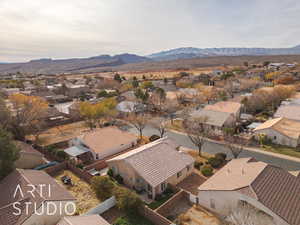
186 53
104 62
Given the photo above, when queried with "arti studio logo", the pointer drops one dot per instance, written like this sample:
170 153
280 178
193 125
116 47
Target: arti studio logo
33 194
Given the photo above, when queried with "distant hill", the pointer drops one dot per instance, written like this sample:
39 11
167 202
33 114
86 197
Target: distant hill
186 53
50 66
174 58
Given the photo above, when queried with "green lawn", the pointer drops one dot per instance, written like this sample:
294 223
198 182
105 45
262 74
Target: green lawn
282 150
132 219
162 200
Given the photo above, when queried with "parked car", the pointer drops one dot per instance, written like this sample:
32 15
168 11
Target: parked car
66 180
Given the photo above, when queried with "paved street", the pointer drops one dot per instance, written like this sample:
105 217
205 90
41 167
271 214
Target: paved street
212 148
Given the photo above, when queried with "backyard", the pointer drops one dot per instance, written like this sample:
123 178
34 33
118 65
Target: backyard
165 197
117 217
82 191
183 212
59 134
196 215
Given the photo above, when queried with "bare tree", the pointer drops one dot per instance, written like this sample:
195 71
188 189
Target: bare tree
235 145
138 121
248 215
5 115
160 125
170 107
197 131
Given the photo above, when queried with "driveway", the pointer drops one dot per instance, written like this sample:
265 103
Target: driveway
212 148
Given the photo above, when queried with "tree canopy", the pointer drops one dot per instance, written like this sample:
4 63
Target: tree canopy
9 153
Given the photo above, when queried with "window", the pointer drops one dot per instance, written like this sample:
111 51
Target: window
212 203
274 137
149 188
179 174
163 186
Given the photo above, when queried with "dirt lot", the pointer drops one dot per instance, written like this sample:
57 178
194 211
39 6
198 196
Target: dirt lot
82 191
60 133
198 216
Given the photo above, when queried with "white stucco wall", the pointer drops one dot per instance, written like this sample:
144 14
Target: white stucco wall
225 201
280 139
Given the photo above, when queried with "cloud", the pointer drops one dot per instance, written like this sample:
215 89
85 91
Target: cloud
76 28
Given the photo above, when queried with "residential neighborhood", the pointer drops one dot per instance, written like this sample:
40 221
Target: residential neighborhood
107 152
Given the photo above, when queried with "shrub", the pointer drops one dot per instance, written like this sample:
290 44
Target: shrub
207 170
103 187
110 172
215 162
197 165
102 94
126 199
62 155
168 191
154 137
119 179
80 166
121 221
221 156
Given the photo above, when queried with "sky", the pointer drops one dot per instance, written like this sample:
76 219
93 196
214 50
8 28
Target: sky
33 29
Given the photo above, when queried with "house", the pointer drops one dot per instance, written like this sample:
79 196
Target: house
29 157
32 197
104 142
128 106
74 90
216 121
83 220
281 131
291 111
10 91
227 107
246 181
151 167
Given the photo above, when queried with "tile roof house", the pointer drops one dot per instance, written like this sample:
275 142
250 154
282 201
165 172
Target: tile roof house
270 189
83 220
291 111
152 166
20 204
29 157
281 131
104 142
215 120
227 107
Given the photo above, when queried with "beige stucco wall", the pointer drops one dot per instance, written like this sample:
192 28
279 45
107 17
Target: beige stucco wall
225 201
125 170
280 139
44 218
130 177
174 180
29 160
